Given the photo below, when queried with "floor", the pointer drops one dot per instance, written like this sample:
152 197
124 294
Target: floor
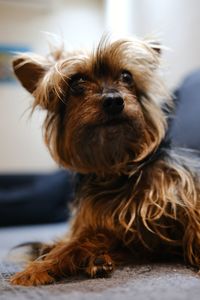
157 281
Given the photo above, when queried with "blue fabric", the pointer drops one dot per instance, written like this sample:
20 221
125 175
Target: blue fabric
35 199
185 126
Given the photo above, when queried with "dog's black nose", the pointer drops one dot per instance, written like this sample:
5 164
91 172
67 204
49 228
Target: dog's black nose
113 103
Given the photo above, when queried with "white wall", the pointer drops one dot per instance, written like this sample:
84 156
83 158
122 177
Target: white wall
176 22
80 23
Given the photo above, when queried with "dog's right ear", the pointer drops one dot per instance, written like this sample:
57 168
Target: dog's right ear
29 69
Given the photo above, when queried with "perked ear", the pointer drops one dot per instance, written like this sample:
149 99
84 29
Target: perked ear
29 70
156 46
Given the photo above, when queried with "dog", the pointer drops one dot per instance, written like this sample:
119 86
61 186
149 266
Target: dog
106 119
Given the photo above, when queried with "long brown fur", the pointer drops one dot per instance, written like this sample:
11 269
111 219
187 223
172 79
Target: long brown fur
137 198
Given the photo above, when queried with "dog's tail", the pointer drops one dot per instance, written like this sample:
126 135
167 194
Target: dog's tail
27 252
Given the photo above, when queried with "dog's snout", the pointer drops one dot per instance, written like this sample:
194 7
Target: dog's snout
113 103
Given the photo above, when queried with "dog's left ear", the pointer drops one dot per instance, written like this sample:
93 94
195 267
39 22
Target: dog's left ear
29 69
156 46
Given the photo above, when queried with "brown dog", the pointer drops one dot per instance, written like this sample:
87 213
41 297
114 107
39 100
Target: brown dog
106 120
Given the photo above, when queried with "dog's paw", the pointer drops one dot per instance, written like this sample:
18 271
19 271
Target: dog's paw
100 266
31 278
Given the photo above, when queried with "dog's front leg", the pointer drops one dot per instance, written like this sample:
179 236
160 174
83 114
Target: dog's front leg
92 253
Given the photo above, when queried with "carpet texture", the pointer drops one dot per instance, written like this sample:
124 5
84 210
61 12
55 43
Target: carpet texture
155 281
164 282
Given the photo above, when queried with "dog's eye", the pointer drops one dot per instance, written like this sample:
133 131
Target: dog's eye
126 77
77 78
76 83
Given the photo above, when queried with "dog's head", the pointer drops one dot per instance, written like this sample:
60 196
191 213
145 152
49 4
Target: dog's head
104 109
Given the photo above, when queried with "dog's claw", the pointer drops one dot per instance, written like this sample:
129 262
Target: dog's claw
100 266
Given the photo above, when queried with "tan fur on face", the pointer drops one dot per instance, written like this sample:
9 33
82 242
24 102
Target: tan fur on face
63 109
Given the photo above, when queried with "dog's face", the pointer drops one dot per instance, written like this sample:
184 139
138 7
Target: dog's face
104 110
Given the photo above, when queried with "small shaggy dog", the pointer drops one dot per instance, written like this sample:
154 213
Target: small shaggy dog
106 119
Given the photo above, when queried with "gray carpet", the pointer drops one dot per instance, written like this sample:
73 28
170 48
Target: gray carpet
157 281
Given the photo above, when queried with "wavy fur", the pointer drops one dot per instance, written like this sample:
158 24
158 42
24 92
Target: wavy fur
137 197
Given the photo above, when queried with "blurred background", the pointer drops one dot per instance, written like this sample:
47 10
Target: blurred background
81 23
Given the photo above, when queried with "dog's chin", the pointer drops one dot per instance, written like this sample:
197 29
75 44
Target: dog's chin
106 148
115 133
107 135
